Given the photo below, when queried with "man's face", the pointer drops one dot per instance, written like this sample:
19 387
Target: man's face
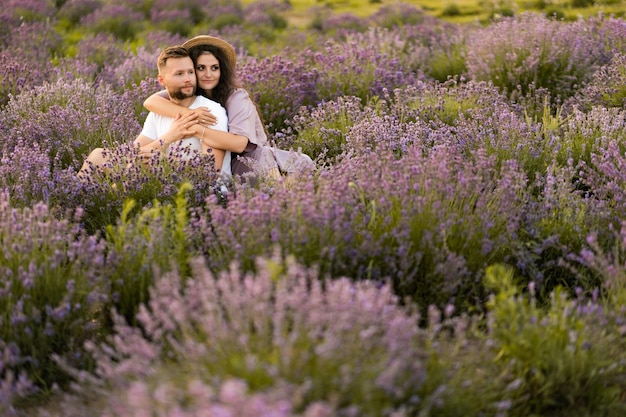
179 78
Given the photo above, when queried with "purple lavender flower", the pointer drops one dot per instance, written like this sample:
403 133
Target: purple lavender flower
353 337
533 50
119 20
46 265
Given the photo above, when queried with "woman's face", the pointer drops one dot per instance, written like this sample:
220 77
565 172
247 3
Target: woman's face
207 71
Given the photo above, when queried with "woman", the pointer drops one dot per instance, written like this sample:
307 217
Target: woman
246 140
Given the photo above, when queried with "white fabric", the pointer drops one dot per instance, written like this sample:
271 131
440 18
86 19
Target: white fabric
290 162
157 125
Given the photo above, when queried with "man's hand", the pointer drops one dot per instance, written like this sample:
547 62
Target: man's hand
181 128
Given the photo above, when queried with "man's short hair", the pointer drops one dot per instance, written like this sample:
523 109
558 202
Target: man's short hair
171 52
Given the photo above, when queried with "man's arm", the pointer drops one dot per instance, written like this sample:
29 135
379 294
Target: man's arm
210 137
180 129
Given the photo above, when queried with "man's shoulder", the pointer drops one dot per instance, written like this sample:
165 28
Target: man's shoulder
202 101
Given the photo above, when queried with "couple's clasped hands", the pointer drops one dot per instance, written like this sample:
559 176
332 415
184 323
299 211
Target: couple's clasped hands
183 127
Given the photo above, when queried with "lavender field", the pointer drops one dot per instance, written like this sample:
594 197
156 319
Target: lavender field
458 250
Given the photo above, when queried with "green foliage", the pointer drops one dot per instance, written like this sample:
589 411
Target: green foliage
451 10
555 13
582 3
443 103
154 240
445 64
225 20
121 27
326 136
498 8
278 22
556 358
177 26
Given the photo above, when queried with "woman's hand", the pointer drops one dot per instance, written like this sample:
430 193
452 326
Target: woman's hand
205 117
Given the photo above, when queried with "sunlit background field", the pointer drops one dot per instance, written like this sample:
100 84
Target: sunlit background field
459 11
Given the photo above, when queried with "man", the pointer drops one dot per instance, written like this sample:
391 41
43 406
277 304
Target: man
165 134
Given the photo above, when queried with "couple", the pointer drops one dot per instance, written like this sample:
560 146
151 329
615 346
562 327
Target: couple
223 117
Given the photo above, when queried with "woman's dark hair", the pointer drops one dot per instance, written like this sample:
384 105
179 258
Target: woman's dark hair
228 80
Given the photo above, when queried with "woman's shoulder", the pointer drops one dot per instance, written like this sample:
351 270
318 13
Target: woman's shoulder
239 98
239 94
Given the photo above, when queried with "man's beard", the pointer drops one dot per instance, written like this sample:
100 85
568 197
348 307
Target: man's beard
178 94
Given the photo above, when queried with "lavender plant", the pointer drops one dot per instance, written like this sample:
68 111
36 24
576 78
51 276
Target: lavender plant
24 60
15 76
607 88
607 263
137 93
533 50
28 10
50 298
337 345
158 39
467 116
118 19
25 175
605 181
483 119
337 25
397 14
34 43
226 18
322 131
104 190
71 11
266 13
102 49
354 68
280 86
67 120
420 184
446 59
132 71
174 21
583 134
429 222
192 397
197 10
560 218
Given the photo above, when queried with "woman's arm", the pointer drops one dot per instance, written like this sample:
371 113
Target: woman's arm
215 139
160 103
218 139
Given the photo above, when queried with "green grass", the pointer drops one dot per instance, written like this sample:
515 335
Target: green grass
469 10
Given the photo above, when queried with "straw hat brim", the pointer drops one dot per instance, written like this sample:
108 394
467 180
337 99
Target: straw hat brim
227 48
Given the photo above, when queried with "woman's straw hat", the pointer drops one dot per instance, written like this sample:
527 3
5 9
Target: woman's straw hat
227 48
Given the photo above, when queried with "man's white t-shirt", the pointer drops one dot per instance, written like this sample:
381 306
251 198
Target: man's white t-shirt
157 125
